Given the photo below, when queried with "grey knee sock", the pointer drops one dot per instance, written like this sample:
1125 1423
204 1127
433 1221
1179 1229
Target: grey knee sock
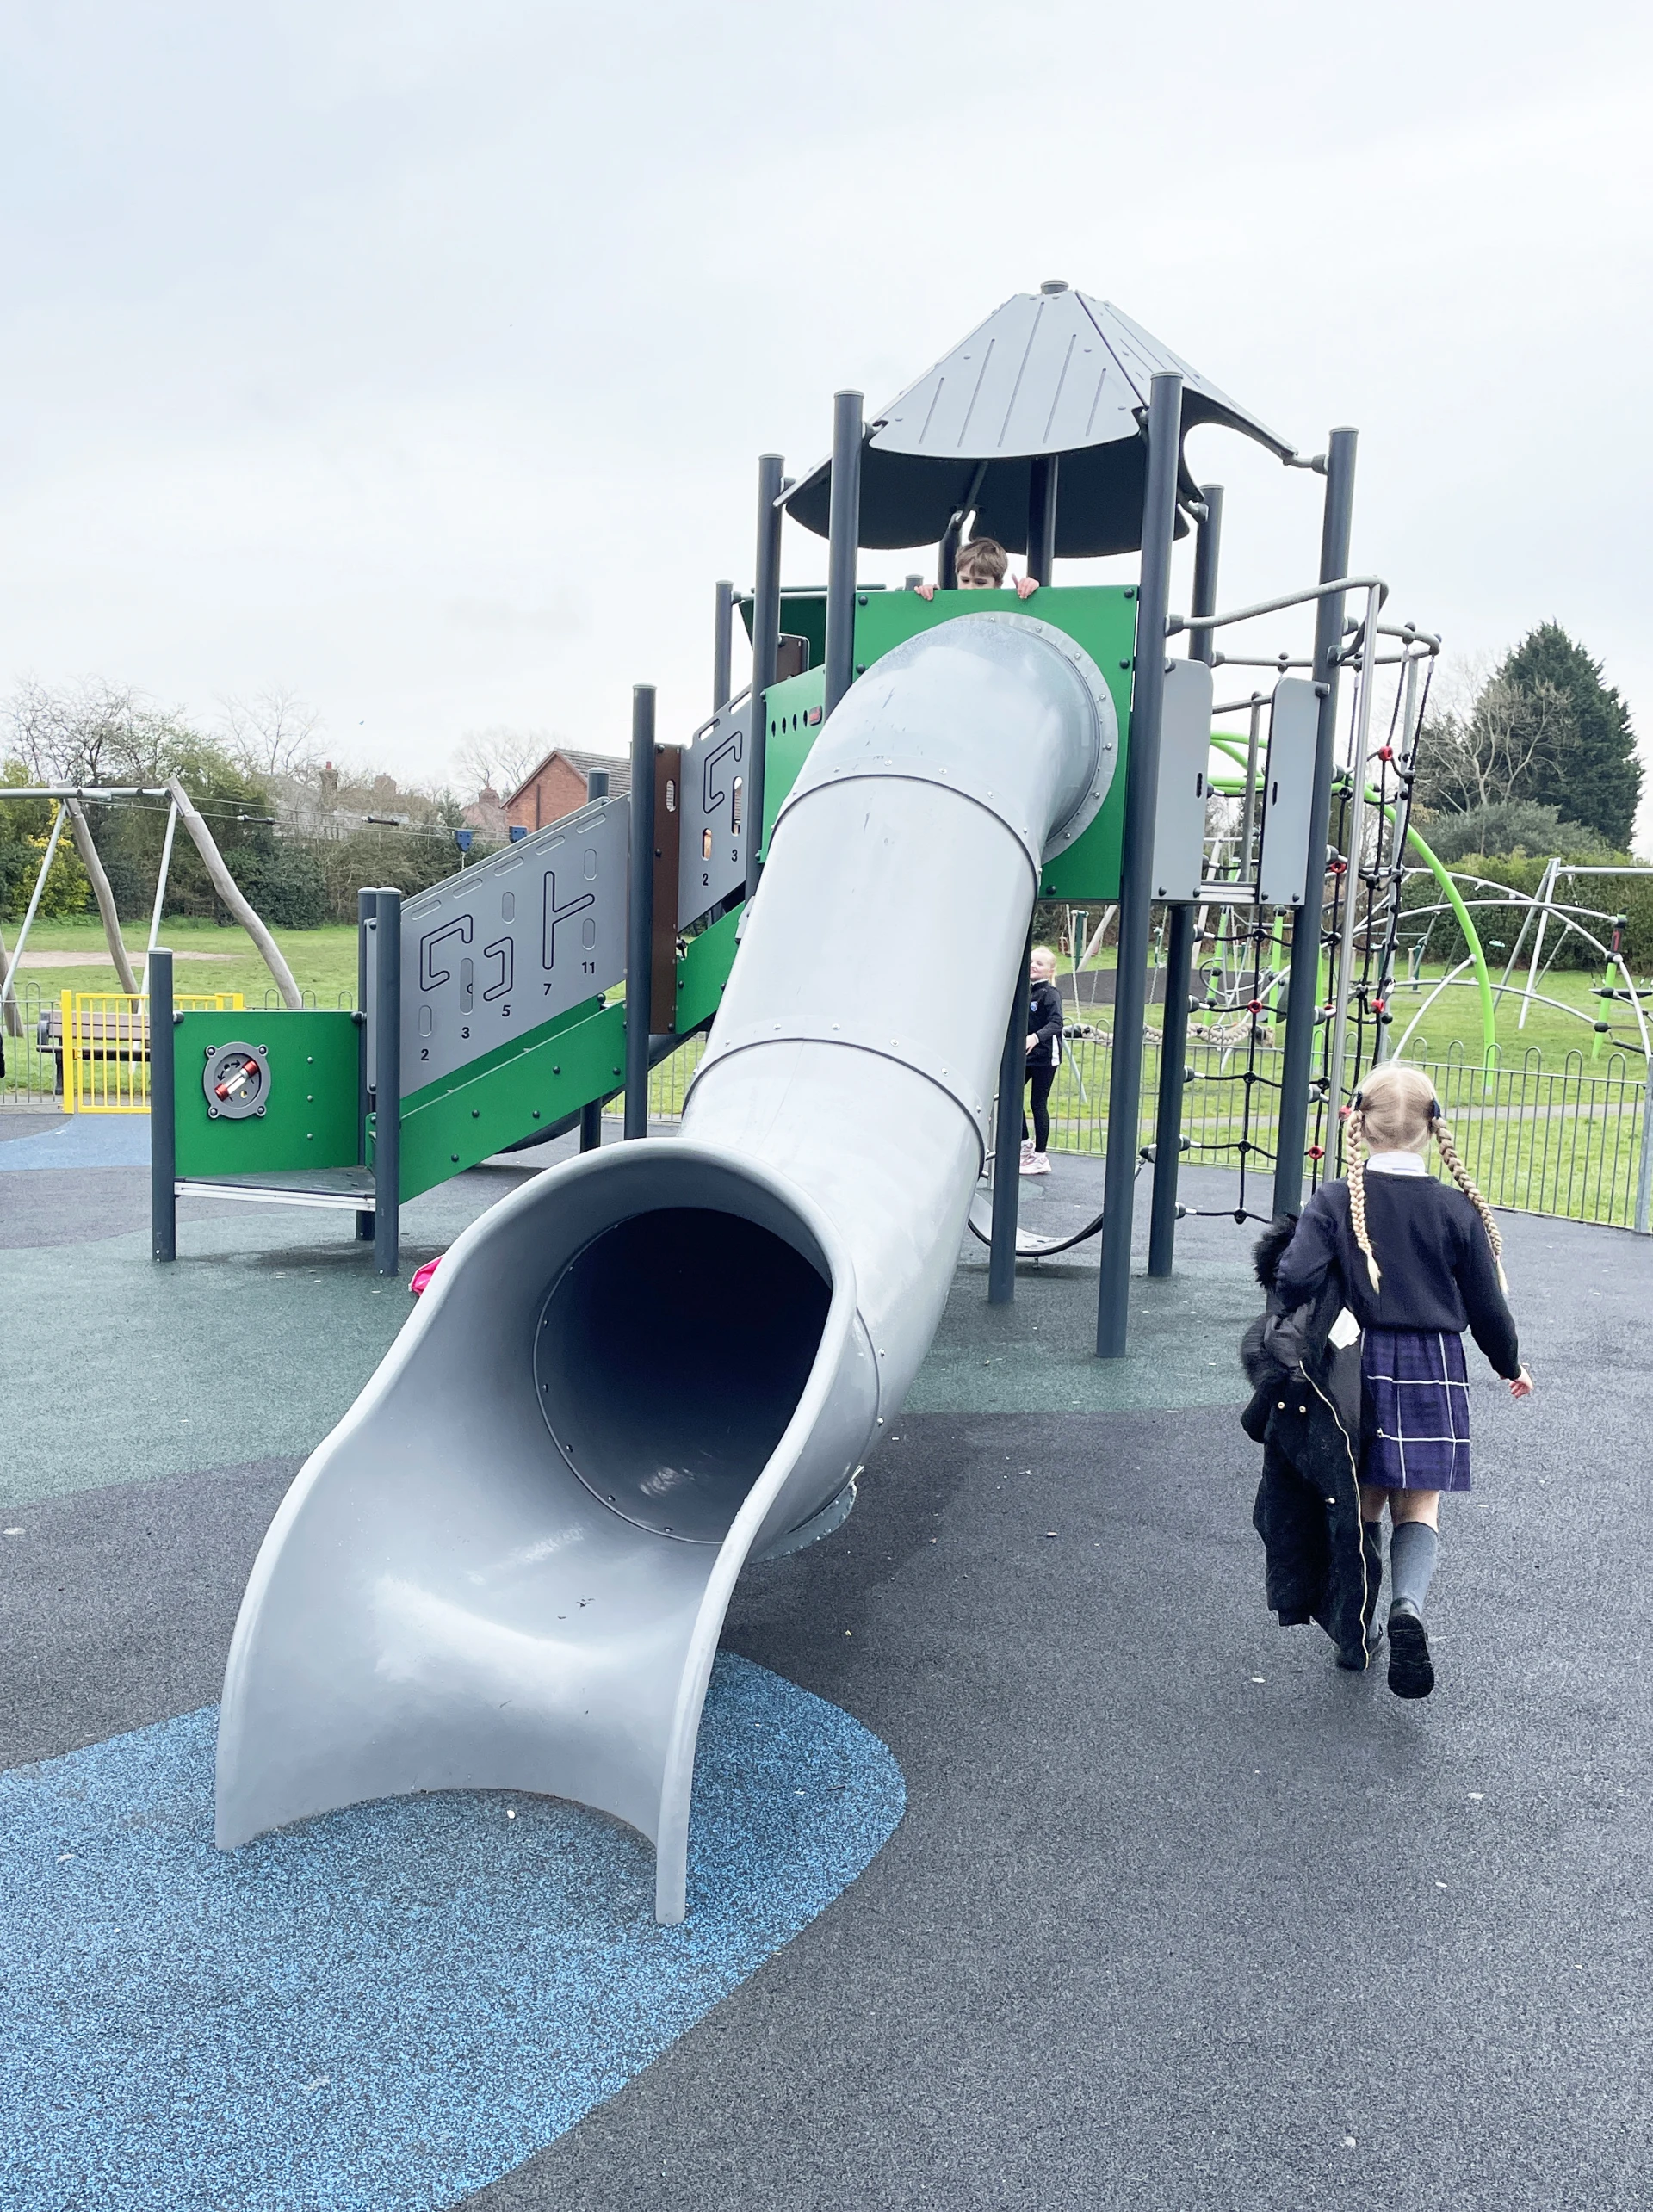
1371 1547
1413 1551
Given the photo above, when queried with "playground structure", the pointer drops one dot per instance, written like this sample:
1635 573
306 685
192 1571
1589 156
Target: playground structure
509 1564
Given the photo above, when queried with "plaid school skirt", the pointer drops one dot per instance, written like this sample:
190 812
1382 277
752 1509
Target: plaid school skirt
1417 1410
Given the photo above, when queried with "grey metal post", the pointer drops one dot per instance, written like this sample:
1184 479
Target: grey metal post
1303 983
722 644
947 555
363 915
640 910
1042 517
1007 1145
388 1082
765 644
1179 947
1136 883
844 538
590 1126
1644 1216
163 1108
597 785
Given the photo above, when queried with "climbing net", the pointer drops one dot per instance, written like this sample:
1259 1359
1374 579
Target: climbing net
1373 879
1242 967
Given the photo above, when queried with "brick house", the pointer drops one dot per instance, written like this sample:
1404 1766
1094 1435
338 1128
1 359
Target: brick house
557 787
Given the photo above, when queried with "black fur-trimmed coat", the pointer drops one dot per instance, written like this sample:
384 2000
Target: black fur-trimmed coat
1305 1412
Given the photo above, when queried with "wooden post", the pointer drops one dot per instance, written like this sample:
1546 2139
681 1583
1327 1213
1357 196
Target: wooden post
227 889
104 896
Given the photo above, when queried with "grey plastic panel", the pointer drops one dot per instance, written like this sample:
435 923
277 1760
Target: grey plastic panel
509 1566
1184 765
1288 793
712 833
524 935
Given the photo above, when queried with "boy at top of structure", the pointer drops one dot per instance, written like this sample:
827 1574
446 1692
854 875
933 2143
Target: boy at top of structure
982 566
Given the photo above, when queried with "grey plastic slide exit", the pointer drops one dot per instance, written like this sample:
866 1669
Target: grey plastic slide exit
508 1565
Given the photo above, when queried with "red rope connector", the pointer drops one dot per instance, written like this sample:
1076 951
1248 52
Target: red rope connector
1256 1006
1385 752
1316 1151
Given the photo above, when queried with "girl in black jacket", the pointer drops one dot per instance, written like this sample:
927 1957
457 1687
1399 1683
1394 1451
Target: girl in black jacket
1416 1264
1043 1055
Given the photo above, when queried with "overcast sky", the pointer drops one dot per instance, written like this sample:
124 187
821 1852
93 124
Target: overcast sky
417 357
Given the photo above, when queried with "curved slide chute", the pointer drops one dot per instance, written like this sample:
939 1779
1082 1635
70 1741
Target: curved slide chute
508 1565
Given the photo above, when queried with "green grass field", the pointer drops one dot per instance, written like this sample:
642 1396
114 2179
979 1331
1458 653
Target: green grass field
1538 1140
207 958
210 958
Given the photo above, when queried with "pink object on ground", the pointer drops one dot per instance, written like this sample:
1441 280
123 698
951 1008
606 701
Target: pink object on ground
422 1276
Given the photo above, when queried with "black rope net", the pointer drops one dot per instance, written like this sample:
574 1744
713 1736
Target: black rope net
1239 1001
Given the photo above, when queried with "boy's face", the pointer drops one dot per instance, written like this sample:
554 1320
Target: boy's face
972 579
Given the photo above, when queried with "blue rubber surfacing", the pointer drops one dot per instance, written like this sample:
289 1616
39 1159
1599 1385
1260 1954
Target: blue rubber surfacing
385 2008
84 1141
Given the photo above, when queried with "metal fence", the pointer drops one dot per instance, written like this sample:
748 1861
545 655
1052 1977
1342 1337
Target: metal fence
104 1038
30 1078
78 1052
1567 1138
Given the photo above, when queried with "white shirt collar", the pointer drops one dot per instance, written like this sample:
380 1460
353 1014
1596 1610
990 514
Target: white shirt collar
1396 1164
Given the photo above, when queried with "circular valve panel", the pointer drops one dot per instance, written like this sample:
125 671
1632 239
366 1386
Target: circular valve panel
236 1081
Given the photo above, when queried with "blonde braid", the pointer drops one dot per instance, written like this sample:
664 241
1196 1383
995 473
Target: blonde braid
1460 1176
1355 1136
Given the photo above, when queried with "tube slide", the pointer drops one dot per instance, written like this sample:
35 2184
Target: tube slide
508 1565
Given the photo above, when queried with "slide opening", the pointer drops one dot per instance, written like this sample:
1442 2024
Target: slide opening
671 1354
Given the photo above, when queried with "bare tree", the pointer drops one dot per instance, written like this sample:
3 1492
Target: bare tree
501 759
91 732
273 733
1482 752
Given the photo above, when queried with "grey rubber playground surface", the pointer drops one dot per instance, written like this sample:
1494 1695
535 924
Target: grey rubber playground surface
1178 1916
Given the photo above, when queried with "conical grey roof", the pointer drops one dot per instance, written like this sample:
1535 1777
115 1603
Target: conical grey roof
1050 372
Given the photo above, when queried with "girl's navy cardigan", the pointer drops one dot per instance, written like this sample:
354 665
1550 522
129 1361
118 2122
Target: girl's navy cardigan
1431 1251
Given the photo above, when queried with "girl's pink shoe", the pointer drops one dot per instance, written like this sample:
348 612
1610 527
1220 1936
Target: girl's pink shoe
423 1275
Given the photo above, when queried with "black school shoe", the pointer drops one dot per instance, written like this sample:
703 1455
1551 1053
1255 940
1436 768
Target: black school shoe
1411 1669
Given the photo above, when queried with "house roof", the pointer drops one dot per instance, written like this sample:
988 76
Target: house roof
1049 372
618 766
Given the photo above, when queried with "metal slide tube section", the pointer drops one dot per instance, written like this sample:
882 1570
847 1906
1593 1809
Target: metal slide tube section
1302 985
1141 796
508 1565
1179 947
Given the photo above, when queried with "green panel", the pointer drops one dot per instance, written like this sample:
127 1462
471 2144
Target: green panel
563 1067
309 1120
705 969
791 733
803 614
485 1062
1101 617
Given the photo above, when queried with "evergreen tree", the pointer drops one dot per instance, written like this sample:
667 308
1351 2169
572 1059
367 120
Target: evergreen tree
1591 773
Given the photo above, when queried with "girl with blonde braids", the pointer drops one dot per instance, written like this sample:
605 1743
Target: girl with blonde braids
1418 1262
